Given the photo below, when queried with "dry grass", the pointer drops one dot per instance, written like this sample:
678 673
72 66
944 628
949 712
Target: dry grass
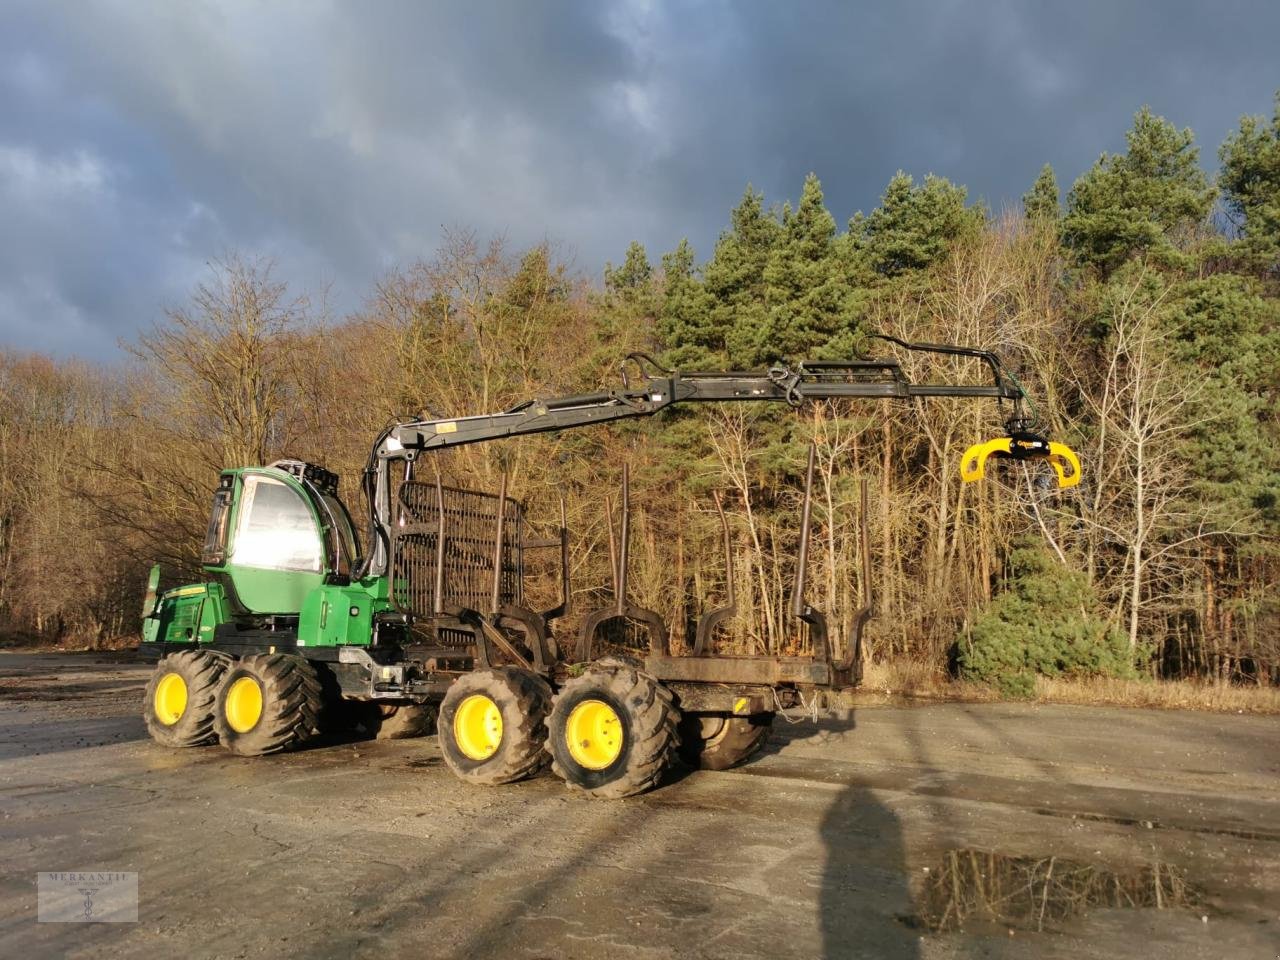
1160 694
907 678
911 678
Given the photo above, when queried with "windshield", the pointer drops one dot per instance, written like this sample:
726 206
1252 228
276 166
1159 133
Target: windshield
276 529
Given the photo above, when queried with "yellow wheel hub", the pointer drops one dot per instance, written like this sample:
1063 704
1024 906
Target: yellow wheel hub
170 699
477 727
243 706
593 734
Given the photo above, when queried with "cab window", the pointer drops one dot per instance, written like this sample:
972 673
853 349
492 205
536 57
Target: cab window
276 530
215 538
350 546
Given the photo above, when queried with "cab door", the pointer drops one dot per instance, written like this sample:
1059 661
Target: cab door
277 551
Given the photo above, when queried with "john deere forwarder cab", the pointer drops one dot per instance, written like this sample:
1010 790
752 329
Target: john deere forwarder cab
298 628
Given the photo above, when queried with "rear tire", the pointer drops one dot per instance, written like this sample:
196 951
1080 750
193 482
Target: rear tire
402 721
613 731
179 702
491 725
268 703
719 741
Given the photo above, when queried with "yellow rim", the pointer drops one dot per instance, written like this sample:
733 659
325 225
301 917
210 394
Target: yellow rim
477 727
593 734
170 699
243 706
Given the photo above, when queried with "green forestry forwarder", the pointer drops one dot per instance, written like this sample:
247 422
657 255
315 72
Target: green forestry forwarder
301 627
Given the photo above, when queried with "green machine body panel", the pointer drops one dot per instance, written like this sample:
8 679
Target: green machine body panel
337 615
187 614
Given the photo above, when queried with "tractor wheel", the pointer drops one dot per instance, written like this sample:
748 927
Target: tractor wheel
713 741
613 731
180 698
402 721
268 703
491 725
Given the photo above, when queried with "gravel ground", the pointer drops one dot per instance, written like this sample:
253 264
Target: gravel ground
862 837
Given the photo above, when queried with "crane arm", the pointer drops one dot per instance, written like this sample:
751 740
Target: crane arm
647 388
656 389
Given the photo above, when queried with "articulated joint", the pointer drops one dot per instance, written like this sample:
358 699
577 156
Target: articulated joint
788 381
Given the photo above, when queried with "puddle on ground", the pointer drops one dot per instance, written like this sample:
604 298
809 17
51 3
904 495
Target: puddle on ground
970 889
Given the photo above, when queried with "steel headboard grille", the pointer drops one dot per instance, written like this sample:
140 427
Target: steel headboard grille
470 523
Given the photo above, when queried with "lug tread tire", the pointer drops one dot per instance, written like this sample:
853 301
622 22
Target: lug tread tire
653 728
292 705
524 700
202 671
406 720
740 740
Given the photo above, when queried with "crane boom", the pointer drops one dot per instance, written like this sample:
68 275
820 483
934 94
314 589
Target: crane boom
648 388
659 389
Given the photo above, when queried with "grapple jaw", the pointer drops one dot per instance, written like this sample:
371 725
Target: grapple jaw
1021 445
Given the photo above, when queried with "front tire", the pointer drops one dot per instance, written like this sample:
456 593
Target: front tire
268 703
179 702
613 732
491 725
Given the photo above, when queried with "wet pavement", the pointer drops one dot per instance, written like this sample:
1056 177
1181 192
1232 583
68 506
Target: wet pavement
944 830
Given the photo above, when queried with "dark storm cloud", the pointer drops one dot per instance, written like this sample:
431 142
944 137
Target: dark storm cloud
137 140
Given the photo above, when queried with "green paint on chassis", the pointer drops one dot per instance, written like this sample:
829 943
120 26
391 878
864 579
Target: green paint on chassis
300 626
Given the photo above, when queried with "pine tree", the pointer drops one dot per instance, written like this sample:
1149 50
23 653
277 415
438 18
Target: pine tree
633 276
1137 201
913 226
1250 183
626 312
735 278
805 289
685 330
1048 620
1040 203
1229 332
528 308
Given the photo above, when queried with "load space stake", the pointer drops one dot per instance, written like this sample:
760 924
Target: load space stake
800 608
512 615
622 609
712 619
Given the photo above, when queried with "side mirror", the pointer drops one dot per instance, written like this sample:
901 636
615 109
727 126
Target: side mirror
151 600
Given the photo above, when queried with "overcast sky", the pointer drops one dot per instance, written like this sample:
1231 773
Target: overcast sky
138 140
